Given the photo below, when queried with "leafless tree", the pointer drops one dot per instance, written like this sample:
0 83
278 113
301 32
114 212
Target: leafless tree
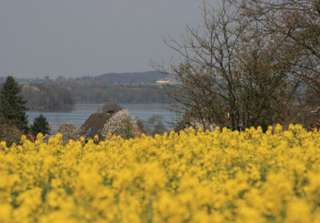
298 23
231 75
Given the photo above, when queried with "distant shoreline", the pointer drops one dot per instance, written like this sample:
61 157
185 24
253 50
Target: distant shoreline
74 107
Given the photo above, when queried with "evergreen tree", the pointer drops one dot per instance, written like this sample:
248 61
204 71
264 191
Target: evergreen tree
12 105
40 125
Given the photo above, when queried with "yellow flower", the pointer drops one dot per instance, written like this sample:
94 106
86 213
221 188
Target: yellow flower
298 212
5 213
192 176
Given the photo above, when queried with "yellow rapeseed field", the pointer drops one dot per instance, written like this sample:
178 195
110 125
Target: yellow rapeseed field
193 176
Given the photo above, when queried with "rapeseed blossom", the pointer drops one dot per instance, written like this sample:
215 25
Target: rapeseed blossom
192 176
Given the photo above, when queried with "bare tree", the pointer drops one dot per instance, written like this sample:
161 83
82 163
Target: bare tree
208 88
298 22
231 75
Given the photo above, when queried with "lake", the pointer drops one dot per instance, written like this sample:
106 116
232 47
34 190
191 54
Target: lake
81 112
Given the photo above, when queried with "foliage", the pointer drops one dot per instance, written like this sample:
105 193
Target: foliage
121 124
121 87
154 125
62 95
48 97
40 125
191 176
9 133
12 105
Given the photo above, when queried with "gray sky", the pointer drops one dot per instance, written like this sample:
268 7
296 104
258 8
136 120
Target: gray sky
87 37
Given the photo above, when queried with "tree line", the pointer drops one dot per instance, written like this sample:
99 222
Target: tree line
57 95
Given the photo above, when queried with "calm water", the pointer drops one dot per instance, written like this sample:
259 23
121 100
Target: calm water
81 112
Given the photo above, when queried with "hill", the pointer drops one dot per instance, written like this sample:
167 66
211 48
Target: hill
59 94
135 78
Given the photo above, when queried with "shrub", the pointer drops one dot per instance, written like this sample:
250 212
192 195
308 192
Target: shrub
40 125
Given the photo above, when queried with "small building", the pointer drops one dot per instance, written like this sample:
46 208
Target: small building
94 124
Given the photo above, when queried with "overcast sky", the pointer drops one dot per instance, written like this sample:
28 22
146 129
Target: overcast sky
88 37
